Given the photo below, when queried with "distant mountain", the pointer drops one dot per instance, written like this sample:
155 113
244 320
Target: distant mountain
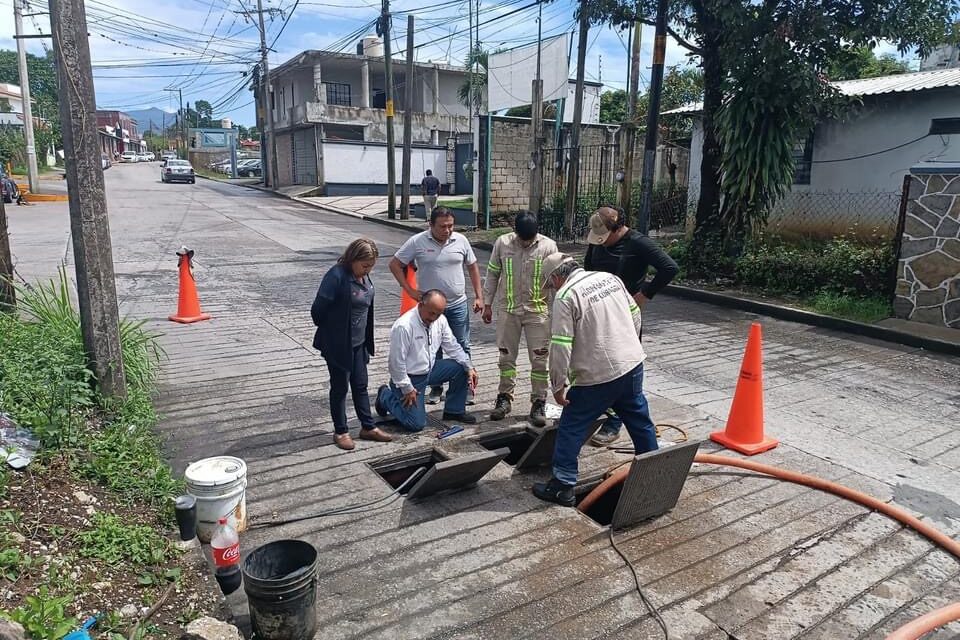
153 116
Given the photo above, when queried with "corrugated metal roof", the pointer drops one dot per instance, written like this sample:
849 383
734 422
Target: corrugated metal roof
900 83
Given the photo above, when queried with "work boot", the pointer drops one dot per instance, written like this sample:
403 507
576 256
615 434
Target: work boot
605 436
462 418
538 414
555 491
501 408
435 395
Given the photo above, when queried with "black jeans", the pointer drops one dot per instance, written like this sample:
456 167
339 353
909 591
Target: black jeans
357 380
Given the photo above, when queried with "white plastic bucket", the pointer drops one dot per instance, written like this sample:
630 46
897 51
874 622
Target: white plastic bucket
219 484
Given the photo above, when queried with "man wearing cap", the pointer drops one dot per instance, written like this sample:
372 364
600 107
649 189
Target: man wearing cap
626 253
596 362
514 282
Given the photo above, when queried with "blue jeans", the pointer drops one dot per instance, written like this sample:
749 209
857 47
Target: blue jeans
415 418
625 396
458 316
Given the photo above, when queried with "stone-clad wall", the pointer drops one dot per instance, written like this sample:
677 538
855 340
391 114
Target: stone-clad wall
928 276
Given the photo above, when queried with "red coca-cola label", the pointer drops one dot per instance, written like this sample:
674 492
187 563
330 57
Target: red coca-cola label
227 556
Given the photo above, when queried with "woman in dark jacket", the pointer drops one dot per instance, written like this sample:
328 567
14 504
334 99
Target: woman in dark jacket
343 313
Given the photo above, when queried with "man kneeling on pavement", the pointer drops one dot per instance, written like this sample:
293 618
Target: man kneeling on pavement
413 366
596 363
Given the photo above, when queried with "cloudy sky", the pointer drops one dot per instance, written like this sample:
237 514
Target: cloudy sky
142 47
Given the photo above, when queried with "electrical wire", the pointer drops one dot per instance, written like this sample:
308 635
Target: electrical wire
875 153
365 507
652 608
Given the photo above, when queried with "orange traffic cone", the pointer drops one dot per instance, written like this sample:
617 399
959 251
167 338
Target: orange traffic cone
406 302
188 307
744 431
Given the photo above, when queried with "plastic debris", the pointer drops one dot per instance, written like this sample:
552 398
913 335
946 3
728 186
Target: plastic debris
17 445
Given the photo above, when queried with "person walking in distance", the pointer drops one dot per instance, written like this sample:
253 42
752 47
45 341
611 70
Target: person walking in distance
440 254
615 248
343 314
413 365
430 188
514 283
596 362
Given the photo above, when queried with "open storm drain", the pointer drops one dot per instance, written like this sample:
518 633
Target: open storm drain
528 446
651 488
441 472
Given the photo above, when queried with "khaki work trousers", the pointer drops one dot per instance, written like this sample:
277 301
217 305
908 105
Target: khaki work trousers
536 328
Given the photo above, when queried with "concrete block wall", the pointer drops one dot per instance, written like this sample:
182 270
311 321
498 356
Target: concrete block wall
928 273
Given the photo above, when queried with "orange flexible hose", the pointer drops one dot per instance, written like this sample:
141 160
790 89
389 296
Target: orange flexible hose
910 631
927 622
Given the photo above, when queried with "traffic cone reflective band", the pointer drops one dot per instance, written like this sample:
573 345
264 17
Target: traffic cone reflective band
744 432
188 306
406 302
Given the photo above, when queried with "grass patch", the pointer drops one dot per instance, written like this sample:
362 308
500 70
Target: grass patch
841 305
112 541
463 203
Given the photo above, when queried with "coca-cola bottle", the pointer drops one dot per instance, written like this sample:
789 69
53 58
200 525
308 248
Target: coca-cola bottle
225 546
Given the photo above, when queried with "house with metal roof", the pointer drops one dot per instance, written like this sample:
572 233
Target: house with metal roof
858 163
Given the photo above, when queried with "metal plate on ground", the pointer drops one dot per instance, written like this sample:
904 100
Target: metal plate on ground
540 451
457 473
654 484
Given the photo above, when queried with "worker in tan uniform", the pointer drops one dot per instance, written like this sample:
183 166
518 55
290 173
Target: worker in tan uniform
514 284
596 363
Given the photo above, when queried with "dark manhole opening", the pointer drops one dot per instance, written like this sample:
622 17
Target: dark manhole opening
397 470
518 442
603 509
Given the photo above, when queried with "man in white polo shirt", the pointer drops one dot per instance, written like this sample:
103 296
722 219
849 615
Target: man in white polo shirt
439 254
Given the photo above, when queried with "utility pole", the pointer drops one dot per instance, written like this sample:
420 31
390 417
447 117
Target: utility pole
407 127
89 224
32 173
8 295
629 137
573 169
653 117
163 129
271 137
536 124
391 160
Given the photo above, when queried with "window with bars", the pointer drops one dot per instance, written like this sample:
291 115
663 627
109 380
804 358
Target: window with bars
338 93
803 160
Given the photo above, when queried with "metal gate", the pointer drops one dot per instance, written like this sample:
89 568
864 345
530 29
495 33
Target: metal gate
284 158
304 157
464 180
597 185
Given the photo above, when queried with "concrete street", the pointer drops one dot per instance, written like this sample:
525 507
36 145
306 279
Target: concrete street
739 557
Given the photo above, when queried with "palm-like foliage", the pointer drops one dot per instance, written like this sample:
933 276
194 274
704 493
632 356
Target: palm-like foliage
473 92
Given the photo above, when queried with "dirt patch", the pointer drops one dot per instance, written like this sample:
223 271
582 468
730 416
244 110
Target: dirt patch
67 540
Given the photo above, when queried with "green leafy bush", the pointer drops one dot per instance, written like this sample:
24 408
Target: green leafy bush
44 617
112 541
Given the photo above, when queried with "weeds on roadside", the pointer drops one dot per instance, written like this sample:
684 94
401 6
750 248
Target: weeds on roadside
44 617
113 541
869 310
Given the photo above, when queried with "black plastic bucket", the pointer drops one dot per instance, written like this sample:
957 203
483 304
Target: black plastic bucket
280 579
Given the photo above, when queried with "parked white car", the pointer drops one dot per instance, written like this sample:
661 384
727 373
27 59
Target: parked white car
129 156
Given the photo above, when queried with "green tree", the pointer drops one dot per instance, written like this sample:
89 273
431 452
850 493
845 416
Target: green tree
681 85
762 89
43 91
613 106
204 113
852 63
472 93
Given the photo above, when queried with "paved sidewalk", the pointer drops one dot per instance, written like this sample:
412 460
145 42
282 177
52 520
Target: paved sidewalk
740 557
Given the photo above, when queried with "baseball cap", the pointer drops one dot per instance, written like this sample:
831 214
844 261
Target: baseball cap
551 263
598 230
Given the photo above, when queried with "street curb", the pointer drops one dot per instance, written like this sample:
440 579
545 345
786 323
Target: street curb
710 297
811 318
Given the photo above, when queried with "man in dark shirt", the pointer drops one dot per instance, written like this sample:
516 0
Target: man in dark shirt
430 188
627 253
